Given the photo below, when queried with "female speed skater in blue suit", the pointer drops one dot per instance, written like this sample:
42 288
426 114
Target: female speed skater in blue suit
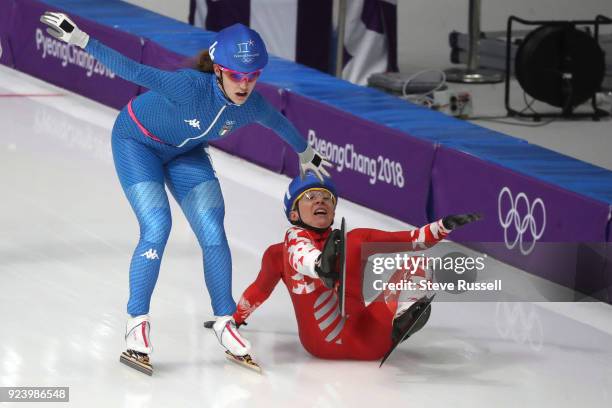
161 136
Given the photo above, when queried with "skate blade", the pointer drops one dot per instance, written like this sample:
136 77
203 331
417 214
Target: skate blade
341 288
408 332
136 364
245 361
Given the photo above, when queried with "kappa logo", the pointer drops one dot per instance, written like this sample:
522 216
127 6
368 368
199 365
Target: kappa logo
227 127
520 218
150 254
193 123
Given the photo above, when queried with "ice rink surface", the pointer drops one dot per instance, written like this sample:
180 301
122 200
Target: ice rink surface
66 238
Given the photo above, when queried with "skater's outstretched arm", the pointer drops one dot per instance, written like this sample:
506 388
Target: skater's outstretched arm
176 86
310 159
272 119
420 238
264 284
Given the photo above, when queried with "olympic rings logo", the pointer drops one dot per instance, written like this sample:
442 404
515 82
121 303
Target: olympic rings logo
521 223
513 321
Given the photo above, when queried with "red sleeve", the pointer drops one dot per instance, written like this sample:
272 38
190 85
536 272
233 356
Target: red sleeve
419 238
302 252
264 284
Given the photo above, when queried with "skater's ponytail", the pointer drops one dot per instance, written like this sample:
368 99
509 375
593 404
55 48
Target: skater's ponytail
204 62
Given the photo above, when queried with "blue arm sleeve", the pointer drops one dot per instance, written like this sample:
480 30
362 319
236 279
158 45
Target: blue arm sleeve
274 120
176 86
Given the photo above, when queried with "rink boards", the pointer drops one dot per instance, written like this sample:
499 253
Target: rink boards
400 159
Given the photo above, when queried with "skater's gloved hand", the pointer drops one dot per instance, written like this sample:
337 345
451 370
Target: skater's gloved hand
239 322
327 264
310 160
63 28
452 222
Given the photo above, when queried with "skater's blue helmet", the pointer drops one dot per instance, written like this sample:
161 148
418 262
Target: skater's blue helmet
239 48
299 186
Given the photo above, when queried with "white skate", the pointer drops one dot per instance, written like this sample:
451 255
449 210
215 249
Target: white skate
229 337
138 344
237 348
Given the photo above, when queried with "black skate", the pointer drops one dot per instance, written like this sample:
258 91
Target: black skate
342 278
138 361
331 267
409 322
329 264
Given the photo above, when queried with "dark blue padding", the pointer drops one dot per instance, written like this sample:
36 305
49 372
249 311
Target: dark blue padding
507 151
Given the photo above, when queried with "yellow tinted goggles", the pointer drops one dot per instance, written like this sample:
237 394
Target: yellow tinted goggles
316 193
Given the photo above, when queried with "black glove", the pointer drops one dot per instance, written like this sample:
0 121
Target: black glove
209 324
327 265
452 222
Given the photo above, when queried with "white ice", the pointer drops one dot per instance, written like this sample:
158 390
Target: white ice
66 238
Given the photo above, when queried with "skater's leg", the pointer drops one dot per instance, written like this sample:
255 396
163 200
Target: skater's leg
404 305
399 301
360 245
140 172
367 335
353 280
412 319
193 183
356 260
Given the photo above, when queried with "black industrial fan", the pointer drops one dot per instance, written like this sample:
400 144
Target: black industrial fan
558 64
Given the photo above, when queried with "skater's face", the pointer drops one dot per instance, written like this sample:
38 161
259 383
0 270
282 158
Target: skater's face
317 208
237 85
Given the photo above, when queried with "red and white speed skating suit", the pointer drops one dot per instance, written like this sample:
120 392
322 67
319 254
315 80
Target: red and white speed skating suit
365 334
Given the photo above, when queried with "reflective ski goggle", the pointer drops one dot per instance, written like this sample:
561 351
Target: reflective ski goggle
236 76
317 194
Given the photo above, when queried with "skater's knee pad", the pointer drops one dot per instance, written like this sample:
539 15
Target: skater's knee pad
150 203
209 229
157 227
205 210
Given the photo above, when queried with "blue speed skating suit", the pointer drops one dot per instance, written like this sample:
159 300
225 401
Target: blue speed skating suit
160 138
